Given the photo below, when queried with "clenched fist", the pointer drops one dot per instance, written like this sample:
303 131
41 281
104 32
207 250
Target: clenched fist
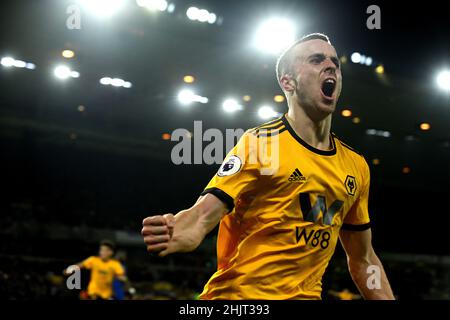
157 232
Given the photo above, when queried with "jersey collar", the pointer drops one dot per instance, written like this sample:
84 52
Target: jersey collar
305 144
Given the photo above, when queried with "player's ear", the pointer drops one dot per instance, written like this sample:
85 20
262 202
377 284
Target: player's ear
288 83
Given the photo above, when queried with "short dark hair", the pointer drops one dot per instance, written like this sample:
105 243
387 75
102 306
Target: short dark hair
284 62
109 244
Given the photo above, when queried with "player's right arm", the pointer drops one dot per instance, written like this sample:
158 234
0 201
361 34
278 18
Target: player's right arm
86 264
165 234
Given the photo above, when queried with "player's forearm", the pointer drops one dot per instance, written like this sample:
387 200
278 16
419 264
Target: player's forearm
192 225
361 272
188 233
68 271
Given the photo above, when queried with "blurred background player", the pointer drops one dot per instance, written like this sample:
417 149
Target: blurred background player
104 270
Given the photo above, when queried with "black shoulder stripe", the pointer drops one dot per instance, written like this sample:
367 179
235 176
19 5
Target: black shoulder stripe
268 128
355 227
346 145
222 195
271 133
266 124
272 126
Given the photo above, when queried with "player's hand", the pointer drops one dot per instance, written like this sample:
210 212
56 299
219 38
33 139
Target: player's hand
157 232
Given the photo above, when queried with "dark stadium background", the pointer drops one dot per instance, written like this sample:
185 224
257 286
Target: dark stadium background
71 178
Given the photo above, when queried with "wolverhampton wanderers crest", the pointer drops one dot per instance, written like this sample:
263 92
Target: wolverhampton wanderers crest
350 185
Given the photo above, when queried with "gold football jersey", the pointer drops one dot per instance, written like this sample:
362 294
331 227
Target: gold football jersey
102 276
287 202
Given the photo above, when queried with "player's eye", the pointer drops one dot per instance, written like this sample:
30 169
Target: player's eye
336 62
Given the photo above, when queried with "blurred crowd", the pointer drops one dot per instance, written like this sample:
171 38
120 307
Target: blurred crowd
32 259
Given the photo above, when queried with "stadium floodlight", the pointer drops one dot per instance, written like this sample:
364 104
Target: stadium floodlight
192 13
187 96
443 80
171 8
201 15
62 72
379 69
363 59
103 8
7 61
105 81
356 57
117 82
153 5
274 35
231 105
19 64
267 112
379 133
11 62
368 61
212 18
68 54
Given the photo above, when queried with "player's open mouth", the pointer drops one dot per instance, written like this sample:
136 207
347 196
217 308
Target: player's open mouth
328 87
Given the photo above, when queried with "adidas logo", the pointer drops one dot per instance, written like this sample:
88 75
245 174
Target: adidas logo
296 176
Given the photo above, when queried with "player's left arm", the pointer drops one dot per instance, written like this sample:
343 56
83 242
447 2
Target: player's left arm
120 273
362 260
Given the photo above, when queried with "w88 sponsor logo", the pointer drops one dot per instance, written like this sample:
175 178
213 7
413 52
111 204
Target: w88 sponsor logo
313 237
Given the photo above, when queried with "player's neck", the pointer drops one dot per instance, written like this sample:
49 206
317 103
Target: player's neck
315 133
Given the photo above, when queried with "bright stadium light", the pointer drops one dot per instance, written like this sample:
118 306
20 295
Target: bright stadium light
267 112
443 80
105 81
231 105
62 72
363 59
115 82
11 62
379 133
186 97
19 64
274 35
192 13
356 57
68 54
379 69
153 5
369 61
201 15
7 61
212 18
171 8
103 8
